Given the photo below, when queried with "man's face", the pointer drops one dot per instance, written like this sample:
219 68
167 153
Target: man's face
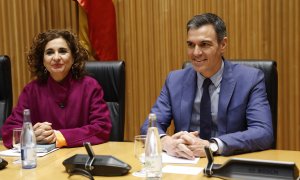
204 50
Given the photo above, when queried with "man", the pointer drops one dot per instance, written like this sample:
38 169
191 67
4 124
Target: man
238 119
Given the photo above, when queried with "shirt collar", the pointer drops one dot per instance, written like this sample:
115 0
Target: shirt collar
215 79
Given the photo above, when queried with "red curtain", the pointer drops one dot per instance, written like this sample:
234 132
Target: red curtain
102 32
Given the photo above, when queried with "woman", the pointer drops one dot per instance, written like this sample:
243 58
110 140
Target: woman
67 107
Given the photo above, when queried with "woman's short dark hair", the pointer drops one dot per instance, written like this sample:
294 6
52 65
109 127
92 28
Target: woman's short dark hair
35 56
209 18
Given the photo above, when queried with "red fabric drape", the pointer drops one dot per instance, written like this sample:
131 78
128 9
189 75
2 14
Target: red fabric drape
102 32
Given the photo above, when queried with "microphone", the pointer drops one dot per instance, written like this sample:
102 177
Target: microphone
95 165
61 105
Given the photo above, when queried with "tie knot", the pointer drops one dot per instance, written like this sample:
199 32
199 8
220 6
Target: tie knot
206 83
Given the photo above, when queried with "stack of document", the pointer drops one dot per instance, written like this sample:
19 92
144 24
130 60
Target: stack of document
42 150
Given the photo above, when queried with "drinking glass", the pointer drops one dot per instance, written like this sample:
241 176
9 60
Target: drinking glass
139 153
16 138
16 143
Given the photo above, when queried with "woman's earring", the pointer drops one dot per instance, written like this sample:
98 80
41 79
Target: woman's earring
45 71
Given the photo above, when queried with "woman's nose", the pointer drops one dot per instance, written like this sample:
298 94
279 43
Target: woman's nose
56 56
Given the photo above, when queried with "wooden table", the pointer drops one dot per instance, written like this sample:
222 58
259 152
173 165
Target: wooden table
50 166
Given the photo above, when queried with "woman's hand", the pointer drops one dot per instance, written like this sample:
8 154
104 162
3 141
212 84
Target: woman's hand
44 133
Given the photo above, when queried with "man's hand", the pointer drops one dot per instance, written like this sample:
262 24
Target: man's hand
195 144
44 133
176 146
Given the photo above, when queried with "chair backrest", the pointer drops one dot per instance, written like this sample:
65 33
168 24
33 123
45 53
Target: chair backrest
6 97
111 77
269 68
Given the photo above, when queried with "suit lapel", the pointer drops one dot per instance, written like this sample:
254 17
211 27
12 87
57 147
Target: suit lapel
188 95
227 88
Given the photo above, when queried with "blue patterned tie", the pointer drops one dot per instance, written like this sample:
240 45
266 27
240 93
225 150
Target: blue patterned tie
205 112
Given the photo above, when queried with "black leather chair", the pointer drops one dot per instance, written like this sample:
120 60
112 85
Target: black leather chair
111 77
6 97
269 67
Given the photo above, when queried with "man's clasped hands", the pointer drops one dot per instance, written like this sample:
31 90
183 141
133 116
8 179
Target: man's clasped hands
184 144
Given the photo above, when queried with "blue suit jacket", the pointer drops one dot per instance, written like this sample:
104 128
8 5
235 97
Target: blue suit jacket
244 118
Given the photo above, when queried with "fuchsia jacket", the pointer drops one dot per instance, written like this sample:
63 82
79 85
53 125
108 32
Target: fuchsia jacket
74 107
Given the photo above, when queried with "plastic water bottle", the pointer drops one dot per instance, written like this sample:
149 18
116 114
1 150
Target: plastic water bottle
28 142
153 151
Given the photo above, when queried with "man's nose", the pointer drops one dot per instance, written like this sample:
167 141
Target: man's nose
197 51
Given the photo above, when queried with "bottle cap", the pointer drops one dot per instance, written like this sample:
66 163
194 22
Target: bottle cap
152 116
26 112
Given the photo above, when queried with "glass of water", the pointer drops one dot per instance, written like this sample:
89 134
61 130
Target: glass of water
16 138
139 153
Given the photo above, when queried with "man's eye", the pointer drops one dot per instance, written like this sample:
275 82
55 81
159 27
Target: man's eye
205 45
190 45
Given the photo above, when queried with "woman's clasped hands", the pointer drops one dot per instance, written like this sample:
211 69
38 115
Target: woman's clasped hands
44 133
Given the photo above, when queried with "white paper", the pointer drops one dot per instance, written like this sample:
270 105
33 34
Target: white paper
182 170
170 159
15 152
173 160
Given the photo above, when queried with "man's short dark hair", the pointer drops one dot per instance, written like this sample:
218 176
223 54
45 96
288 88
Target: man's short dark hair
209 18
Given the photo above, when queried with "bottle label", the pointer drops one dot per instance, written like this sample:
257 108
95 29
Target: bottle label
153 165
23 155
28 154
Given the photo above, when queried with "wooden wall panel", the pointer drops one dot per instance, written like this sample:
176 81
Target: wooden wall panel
151 40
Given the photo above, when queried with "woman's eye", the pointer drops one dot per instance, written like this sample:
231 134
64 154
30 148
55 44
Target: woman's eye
63 51
49 52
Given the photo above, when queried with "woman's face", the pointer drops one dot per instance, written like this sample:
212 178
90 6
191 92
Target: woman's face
58 58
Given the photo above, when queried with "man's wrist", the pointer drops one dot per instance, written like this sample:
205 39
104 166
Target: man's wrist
213 145
220 144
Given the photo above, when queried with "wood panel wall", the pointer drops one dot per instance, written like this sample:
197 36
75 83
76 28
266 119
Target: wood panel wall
151 40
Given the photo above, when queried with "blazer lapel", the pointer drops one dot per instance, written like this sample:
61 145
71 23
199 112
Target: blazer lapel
227 88
188 95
